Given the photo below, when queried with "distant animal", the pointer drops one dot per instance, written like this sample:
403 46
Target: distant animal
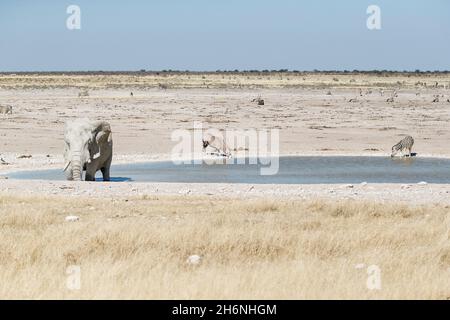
5 109
131 94
83 93
259 101
436 98
88 147
217 143
391 99
405 144
353 100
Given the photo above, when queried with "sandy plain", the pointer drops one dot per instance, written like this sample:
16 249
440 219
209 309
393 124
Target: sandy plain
402 228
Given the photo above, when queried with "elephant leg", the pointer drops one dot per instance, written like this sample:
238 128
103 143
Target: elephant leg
90 174
89 177
105 173
105 170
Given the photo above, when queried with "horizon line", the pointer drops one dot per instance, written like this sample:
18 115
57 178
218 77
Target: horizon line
144 71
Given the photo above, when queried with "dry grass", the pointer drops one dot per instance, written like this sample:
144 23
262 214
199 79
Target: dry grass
282 249
219 80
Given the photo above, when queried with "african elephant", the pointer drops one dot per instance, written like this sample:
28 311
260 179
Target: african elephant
88 147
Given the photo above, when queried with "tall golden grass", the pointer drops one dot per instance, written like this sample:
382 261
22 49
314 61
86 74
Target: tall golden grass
250 249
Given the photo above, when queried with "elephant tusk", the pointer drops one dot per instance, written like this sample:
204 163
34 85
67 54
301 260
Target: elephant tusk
96 156
66 166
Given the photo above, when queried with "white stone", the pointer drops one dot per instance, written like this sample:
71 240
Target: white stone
194 259
72 218
422 183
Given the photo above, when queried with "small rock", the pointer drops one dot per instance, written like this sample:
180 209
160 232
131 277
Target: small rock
194 259
422 183
364 183
66 187
72 218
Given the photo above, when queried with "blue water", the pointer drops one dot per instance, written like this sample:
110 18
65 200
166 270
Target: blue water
292 170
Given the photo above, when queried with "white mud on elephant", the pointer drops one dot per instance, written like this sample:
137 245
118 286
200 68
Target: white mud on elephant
88 147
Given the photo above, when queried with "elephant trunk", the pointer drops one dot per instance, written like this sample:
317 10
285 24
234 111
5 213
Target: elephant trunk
76 166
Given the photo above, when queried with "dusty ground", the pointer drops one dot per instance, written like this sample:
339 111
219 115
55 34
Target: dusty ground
312 111
408 194
300 241
310 120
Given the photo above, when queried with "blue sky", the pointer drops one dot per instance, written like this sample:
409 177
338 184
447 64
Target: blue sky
207 35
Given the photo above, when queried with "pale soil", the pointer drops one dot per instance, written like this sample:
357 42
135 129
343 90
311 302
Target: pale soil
411 194
256 241
310 120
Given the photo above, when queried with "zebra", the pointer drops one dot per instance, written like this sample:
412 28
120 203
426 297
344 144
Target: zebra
405 143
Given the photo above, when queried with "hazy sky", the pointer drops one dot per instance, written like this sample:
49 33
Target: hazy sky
206 35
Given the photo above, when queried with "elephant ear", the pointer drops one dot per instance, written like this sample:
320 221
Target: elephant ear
101 134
